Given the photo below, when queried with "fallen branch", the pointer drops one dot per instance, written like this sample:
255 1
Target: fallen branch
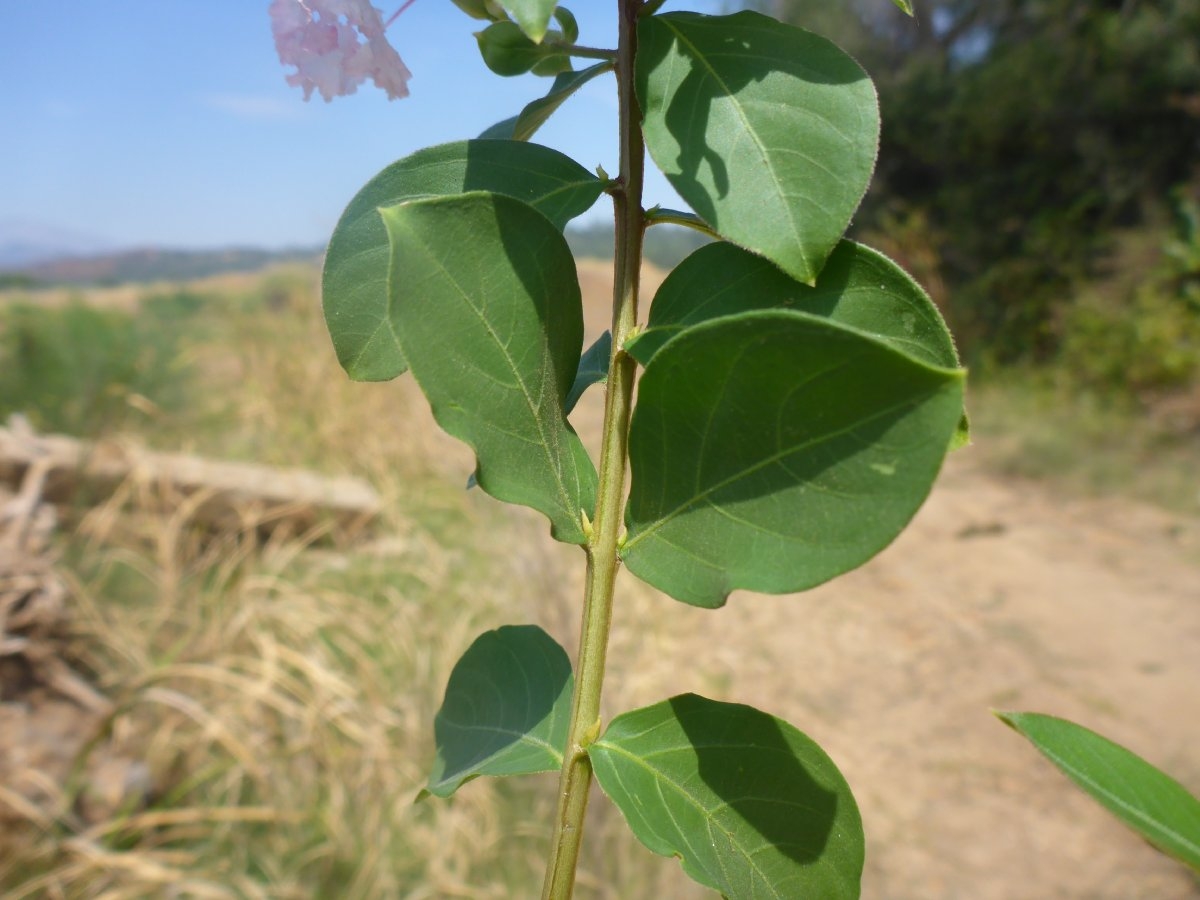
225 494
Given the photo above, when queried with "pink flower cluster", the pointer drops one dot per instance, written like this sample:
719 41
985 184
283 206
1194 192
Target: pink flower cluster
321 38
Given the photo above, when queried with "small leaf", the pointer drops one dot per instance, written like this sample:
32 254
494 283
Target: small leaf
354 288
768 131
567 22
532 15
486 308
552 64
593 368
751 806
481 9
859 287
773 450
507 708
1146 799
905 6
507 50
534 115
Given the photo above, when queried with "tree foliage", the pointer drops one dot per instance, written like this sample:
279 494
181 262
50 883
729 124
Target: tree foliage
1021 136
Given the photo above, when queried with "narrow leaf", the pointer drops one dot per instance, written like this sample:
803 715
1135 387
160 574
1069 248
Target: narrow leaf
1146 799
751 806
768 131
486 308
506 711
532 15
593 368
859 287
535 114
905 6
354 287
659 215
773 450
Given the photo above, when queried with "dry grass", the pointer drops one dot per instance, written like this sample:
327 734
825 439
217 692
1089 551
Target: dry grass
282 694
280 699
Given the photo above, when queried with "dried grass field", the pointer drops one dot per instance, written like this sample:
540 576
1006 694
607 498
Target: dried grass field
272 698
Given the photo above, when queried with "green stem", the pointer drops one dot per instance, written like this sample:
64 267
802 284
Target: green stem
588 52
660 216
576 777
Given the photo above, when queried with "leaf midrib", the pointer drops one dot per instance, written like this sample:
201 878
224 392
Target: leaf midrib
521 737
682 508
384 324
663 778
700 57
1132 811
565 503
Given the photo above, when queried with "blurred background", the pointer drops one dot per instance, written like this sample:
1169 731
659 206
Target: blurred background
232 583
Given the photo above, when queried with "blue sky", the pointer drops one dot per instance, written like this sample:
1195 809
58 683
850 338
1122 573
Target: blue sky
169 123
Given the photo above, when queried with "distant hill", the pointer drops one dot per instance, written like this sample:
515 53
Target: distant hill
34 260
666 245
146 265
26 243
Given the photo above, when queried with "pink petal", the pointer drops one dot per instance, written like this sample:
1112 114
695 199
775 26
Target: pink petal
321 38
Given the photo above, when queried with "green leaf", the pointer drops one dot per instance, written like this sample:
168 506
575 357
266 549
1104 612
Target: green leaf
1146 799
752 807
768 131
593 368
534 115
532 15
567 22
859 287
356 264
507 50
481 9
500 131
774 450
507 708
552 64
905 6
486 308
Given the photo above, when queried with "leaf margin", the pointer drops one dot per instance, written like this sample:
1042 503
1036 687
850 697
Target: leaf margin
1181 847
555 658
713 709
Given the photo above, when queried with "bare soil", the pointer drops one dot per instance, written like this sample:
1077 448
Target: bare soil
999 596
1003 595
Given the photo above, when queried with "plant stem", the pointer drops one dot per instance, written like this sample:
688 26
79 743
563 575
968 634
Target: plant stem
576 777
660 216
588 52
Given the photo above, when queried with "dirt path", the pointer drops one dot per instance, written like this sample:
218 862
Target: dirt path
1001 595
998 596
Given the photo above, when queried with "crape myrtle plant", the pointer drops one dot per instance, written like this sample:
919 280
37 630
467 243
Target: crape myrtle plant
797 393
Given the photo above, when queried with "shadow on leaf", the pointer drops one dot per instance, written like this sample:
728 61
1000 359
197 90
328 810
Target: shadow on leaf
744 758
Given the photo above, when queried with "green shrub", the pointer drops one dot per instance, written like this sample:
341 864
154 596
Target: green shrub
1149 342
85 371
1148 339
